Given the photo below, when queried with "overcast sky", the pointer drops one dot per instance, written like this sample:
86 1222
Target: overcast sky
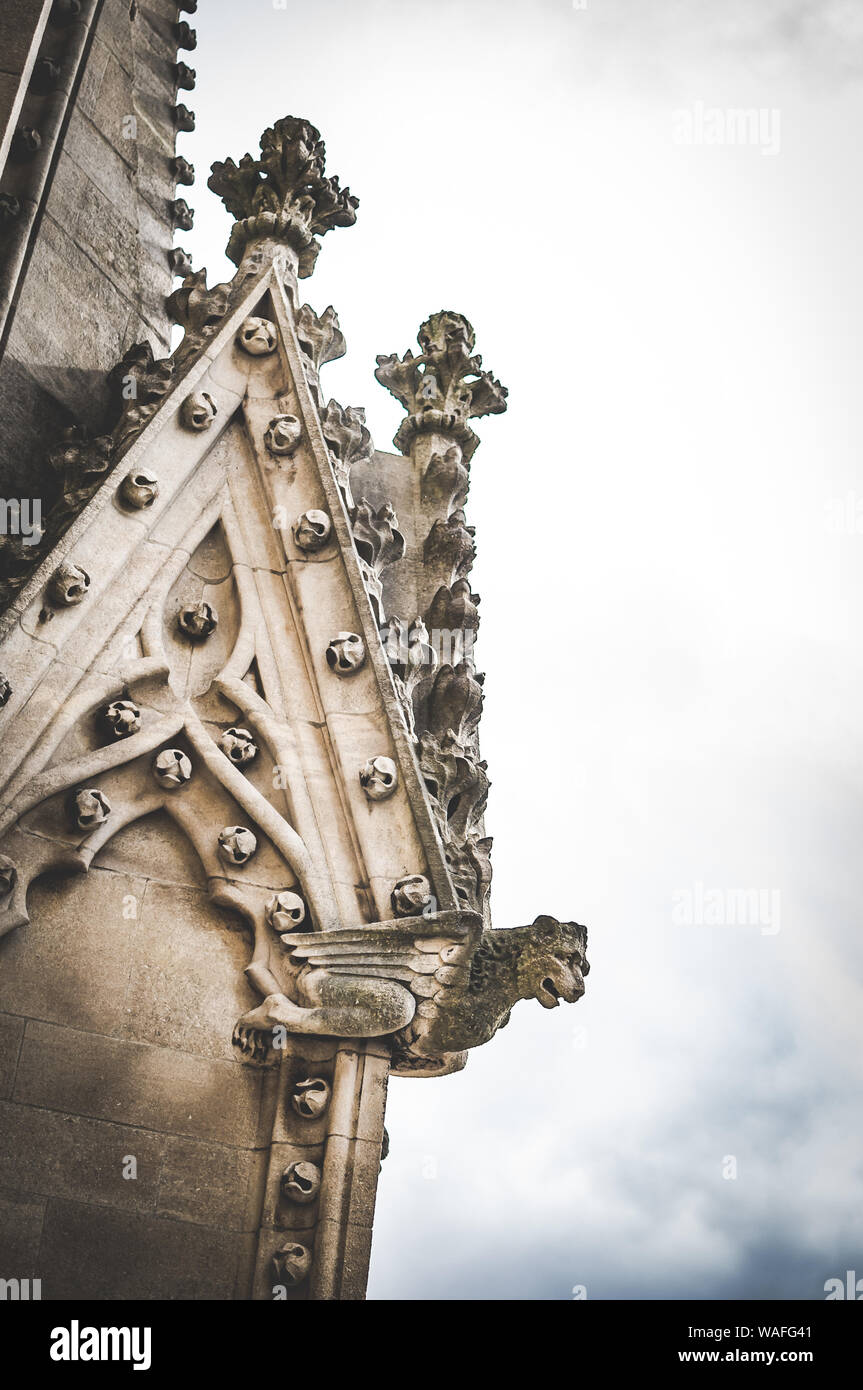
670 529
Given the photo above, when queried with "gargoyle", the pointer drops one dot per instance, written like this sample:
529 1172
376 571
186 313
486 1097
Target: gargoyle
439 985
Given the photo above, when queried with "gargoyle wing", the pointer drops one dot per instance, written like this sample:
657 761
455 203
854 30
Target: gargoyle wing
398 950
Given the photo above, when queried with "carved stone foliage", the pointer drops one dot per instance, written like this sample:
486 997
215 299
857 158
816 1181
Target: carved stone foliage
301 1182
198 310
80 463
445 480
453 609
292 1264
346 653
121 718
257 336
453 702
321 340
198 411
139 489
310 1097
283 434
172 768
412 660
198 621
283 193
379 778
449 547
238 745
379 543
139 383
237 844
8 876
312 530
285 911
458 784
89 808
349 442
410 895
444 386
68 585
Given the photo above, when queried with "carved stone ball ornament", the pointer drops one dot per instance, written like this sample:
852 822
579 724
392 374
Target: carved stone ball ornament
379 778
172 768
346 653
198 621
257 336
238 745
283 435
90 808
122 717
292 1264
310 1097
68 585
301 1182
411 895
8 876
198 411
312 530
285 911
5 689
139 489
237 844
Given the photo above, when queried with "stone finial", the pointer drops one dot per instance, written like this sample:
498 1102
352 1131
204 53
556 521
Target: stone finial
444 386
282 194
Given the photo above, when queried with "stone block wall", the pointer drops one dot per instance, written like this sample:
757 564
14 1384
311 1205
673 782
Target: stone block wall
116 1009
95 270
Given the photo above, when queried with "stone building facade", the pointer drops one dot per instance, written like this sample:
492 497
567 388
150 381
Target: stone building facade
243 867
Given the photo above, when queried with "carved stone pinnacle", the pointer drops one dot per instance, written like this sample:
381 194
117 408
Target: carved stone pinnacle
282 195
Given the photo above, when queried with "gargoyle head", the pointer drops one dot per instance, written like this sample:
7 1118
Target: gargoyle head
552 963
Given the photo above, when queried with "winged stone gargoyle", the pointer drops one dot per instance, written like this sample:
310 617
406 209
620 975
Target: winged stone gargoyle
439 985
